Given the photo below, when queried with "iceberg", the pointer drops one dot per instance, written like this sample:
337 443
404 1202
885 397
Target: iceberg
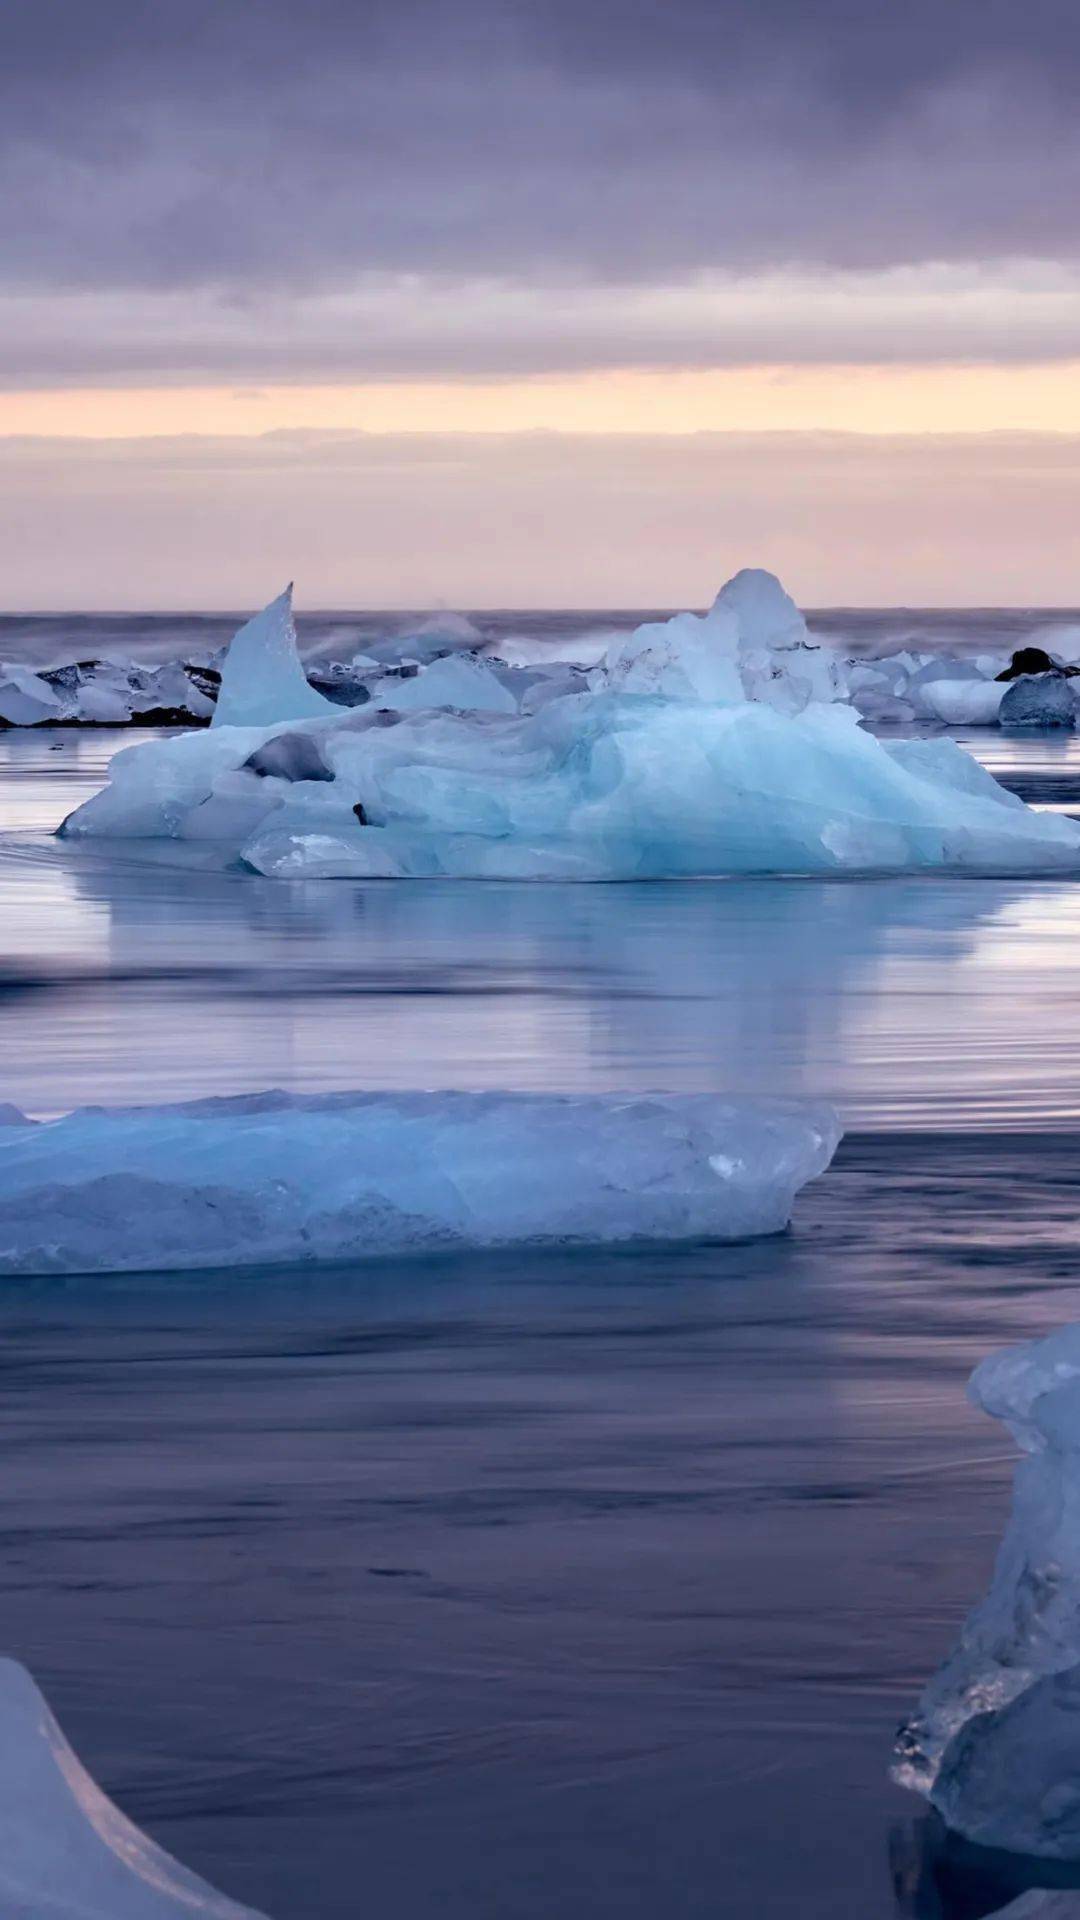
995 1741
704 745
278 1178
594 786
262 676
66 1853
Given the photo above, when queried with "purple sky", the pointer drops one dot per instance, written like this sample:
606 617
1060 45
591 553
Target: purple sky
251 193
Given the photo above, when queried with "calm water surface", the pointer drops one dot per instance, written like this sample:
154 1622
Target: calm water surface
497 1588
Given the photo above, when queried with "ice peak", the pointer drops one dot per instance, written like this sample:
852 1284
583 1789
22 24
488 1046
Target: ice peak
262 678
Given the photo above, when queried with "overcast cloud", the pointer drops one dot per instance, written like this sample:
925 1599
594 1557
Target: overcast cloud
252 184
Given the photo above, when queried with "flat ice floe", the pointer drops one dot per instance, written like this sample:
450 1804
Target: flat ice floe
274 1178
66 1853
701 745
995 1741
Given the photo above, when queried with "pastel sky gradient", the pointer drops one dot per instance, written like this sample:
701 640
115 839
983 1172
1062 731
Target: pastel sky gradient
554 302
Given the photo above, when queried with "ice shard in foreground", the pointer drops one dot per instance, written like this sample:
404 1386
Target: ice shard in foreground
286 1178
66 1853
995 1741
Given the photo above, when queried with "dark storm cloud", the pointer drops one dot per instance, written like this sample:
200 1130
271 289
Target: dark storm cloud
253 145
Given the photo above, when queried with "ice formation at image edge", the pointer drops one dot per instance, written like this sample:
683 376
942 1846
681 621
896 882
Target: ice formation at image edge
66 1852
711 744
287 1178
995 1740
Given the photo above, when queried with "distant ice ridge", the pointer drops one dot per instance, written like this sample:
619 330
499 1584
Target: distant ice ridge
283 1179
753 626
995 1741
709 744
66 1853
107 693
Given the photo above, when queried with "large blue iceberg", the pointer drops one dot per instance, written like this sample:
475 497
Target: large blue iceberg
703 745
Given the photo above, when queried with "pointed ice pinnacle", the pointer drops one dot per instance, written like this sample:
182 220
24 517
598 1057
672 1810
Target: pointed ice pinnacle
262 678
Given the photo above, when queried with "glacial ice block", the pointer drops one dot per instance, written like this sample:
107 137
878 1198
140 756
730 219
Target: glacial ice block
995 1740
460 680
592 786
262 676
278 1178
66 1853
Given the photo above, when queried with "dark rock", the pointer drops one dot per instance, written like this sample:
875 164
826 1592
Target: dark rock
343 688
290 756
360 814
1035 660
158 717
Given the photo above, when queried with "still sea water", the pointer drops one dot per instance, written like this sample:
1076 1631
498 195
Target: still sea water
514 1586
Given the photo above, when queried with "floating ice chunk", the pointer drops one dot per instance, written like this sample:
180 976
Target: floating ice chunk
460 681
25 700
962 703
594 786
1039 700
66 1853
262 677
752 644
765 615
995 1741
690 657
280 1178
779 662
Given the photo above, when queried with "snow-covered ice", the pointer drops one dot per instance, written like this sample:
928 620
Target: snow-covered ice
280 1178
66 1852
995 1741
